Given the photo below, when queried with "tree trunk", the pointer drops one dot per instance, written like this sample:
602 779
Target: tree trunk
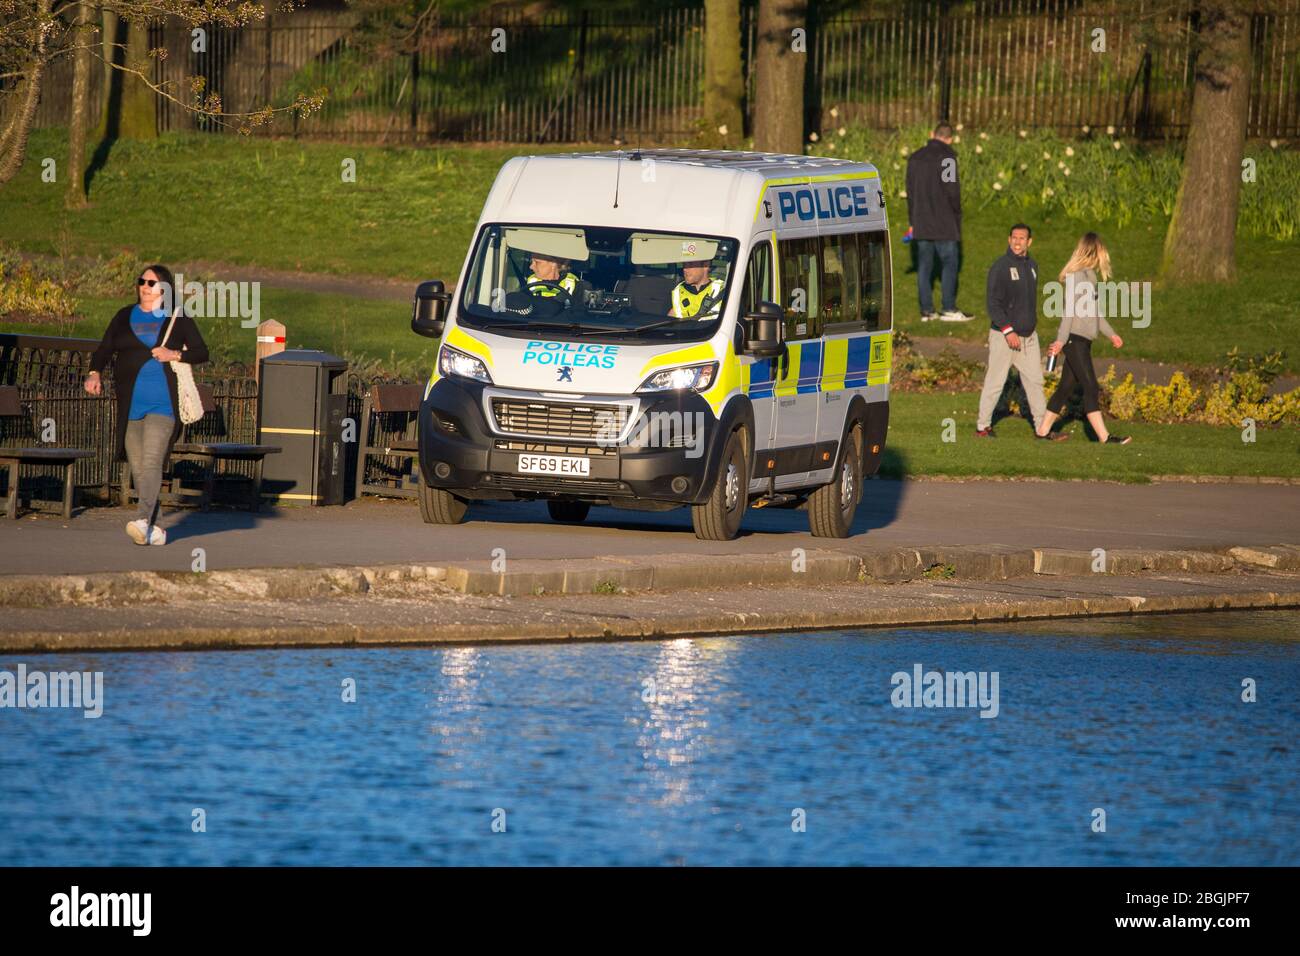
110 90
137 120
1200 245
79 117
724 88
778 95
13 140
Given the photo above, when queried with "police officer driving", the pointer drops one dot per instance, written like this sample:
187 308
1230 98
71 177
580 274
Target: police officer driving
697 294
550 287
548 269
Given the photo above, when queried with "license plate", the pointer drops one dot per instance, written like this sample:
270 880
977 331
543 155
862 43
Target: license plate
554 465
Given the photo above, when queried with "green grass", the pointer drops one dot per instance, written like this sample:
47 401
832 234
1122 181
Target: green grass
411 213
916 447
272 203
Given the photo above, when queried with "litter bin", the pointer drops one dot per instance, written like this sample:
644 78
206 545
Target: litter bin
301 405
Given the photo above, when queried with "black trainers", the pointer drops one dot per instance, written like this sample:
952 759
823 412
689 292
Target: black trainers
1118 439
1052 436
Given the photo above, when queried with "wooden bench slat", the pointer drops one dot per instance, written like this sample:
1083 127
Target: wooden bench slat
396 398
9 401
44 454
224 449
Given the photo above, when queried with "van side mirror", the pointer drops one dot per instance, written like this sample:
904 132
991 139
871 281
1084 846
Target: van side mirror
765 331
429 314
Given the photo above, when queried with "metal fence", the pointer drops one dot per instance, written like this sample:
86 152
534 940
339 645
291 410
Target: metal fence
49 372
520 76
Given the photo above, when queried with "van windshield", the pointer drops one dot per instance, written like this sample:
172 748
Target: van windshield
597 281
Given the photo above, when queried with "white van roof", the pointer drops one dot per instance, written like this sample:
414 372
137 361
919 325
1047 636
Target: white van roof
710 192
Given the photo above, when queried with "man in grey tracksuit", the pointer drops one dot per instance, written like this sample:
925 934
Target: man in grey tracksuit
1013 336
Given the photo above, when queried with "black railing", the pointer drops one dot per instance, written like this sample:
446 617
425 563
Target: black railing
49 372
515 74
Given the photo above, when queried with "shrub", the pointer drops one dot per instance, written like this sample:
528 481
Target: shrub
1243 395
945 372
23 291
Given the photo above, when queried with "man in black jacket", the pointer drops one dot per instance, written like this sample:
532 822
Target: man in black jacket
1013 335
934 208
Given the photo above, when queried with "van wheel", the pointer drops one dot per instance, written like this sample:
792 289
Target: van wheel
570 512
832 506
441 507
718 519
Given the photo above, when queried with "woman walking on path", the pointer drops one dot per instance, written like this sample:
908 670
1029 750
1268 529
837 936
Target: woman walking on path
1081 320
139 343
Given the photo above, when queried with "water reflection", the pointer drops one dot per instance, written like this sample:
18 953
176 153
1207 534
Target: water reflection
673 732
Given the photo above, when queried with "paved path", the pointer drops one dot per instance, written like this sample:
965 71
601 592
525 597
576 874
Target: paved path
1083 515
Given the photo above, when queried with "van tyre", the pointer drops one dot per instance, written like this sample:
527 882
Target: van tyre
441 507
718 519
569 512
832 506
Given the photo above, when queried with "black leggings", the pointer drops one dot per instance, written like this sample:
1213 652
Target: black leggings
1077 373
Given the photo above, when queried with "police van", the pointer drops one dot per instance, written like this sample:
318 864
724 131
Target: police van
662 328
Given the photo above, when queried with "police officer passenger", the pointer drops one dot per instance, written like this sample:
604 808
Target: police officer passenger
697 294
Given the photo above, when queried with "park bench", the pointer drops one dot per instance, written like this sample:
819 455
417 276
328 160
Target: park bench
12 459
390 400
207 455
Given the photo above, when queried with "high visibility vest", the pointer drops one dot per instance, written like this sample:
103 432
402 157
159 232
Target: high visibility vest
686 303
568 282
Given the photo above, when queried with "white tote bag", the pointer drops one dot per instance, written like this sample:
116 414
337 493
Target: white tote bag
187 393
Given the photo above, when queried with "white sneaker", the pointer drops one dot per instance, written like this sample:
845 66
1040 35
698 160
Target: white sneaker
137 530
157 535
956 315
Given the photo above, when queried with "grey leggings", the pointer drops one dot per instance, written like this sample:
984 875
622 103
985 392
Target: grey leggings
146 447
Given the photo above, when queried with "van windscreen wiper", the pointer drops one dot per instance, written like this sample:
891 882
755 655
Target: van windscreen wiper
673 320
575 327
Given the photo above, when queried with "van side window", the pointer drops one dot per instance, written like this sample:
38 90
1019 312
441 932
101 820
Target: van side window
840 292
758 277
874 279
801 285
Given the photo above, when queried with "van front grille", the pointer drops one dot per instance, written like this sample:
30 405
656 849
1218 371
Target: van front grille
553 485
553 448
603 423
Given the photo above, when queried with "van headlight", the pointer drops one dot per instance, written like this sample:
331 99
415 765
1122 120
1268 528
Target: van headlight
455 363
694 378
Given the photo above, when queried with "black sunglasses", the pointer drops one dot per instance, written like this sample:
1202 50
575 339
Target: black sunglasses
149 282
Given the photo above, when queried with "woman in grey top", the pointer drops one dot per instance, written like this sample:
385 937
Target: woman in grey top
1081 320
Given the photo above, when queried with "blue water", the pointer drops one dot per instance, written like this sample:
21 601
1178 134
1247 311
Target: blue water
1141 718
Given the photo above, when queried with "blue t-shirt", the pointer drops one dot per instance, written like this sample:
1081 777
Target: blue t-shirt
150 396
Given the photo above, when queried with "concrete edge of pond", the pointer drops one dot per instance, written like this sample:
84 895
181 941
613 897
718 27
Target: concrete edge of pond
607 575
439 616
